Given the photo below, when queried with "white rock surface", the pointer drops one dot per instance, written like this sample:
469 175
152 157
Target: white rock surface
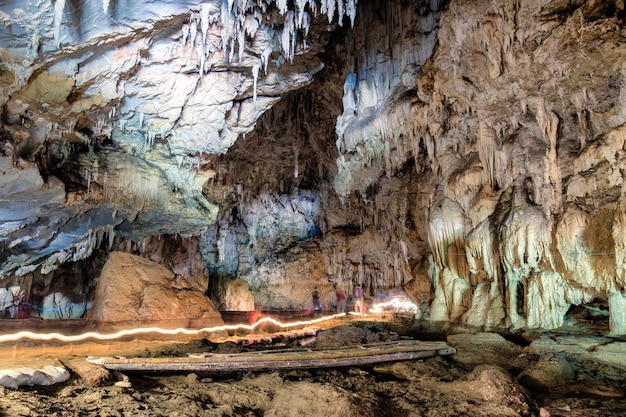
47 375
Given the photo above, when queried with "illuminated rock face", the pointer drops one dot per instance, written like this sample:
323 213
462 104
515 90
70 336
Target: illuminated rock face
470 152
132 289
528 200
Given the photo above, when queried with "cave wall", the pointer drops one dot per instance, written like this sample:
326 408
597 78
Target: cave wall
541 97
468 152
520 110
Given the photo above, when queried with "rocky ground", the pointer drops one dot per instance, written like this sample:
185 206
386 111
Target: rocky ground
530 375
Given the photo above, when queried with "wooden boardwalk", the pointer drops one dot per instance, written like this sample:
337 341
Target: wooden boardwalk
300 358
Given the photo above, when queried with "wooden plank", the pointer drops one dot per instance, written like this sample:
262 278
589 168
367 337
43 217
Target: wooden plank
284 359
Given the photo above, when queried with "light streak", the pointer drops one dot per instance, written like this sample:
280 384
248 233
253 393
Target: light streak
397 304
145 330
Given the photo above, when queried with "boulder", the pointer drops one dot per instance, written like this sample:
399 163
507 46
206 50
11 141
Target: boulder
484 348
367 333
93 375
134 289
288 281
548 373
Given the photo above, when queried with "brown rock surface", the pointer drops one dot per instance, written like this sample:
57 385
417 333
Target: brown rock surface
93 375
480 348
132 288
548 372
237 296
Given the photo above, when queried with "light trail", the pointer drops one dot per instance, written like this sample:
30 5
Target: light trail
145 330
397 304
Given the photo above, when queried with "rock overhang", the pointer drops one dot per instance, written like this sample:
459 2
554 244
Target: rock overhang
127 104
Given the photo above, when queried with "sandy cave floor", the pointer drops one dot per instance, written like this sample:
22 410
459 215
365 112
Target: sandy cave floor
438 386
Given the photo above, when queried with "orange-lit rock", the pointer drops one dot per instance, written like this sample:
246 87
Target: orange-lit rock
134 289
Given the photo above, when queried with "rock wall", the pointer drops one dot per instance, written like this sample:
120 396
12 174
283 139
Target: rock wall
468 152
520 113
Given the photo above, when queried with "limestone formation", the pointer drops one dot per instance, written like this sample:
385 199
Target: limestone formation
237 296
468 153
132 289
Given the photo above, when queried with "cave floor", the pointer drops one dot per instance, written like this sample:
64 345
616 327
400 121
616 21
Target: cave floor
436 386
28 351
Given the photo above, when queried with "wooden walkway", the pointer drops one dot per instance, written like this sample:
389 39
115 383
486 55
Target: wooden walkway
282 359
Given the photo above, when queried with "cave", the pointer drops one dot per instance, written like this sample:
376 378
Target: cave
198 163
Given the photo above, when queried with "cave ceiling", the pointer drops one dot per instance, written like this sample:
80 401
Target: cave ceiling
122 111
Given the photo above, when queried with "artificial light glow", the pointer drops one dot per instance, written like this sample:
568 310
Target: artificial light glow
398 304
129 332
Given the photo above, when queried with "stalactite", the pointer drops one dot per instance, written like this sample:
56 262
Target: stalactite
205 11
491 35
548 123
525 241
446 226
351 10
185 31
201 59
580 103
288 36
193 32
59 7
282 6
255 76
487 148
295 157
